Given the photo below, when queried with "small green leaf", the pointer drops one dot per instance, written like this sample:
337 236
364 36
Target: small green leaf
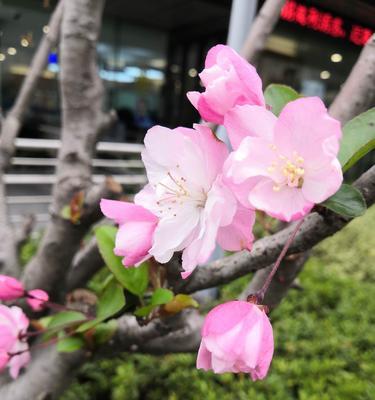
70 344
65 318
161 296
180 302
277 96
104 331
348 201
146 310
133 279
358 139
110 302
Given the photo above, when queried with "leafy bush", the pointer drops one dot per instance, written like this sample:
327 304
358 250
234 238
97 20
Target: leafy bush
325 346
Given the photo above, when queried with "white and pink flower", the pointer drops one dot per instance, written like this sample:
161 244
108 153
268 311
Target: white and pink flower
189 206
229 80
284 165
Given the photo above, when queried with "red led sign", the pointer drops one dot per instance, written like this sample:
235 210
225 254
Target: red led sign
325 22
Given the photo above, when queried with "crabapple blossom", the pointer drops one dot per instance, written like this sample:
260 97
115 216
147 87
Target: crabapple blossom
284 165
236 337
229 80
137 225
36 299
13 349
189 205
10 288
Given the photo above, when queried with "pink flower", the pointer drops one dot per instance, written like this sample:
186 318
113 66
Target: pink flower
236 337
10 288
187 194
13 323
36 299
229 80
284 165
137 225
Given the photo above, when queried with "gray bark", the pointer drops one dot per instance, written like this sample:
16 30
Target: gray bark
358 92
263 25
83 121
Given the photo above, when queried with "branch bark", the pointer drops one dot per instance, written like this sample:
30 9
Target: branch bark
83 119
263 25
358 92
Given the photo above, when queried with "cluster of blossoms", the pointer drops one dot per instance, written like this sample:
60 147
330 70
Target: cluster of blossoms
199 193
14 349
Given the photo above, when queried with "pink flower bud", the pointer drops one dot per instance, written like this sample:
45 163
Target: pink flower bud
229 80
10 288
36 299
236 337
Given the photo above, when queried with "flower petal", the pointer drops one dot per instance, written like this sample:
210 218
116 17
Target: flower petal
238 234
247 120
287 204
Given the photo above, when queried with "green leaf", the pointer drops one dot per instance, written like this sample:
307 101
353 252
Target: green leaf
277 96
348 201
146 310
104 331
65 318
70 344
133 279
110 302
358 139
179 302
161 296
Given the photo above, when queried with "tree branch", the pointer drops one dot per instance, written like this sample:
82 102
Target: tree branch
83 120
358 92
315 228
263 25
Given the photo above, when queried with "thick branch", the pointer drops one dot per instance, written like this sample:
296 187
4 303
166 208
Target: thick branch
263 25
315 228
358 92
86 263
81 92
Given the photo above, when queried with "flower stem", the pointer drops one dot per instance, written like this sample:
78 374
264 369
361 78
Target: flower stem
55 306
261 293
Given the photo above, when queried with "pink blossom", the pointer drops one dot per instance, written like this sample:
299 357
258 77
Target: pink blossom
187 194
229 80
10 288
284 165
236 337
13 323
137 225
36 299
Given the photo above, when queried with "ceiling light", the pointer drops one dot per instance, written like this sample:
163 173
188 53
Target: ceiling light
2 57
325 75
45 29
336 57
192 72
12 51
24 42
